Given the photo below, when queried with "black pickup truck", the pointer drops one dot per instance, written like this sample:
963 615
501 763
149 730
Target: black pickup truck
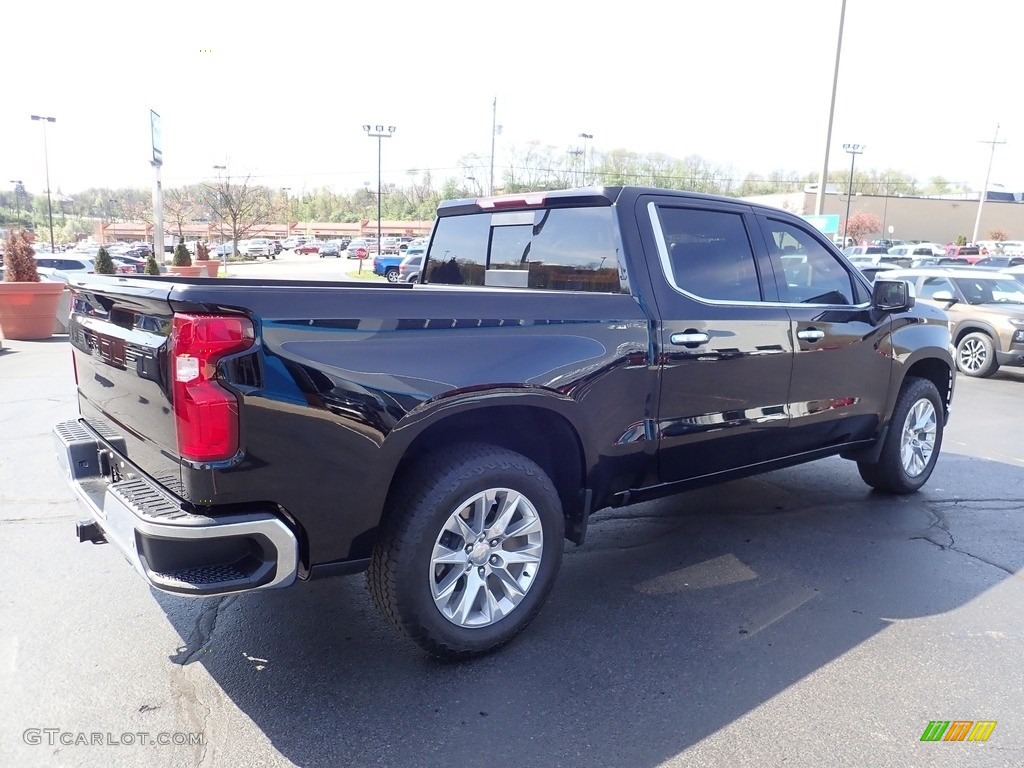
563 352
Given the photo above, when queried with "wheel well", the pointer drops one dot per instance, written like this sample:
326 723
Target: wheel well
940 374
541 435
961 332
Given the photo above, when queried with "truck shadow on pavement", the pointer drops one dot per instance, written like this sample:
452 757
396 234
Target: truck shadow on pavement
675 619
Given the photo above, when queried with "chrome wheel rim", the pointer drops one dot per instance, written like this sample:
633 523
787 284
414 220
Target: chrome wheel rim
918 440
486 558
972 355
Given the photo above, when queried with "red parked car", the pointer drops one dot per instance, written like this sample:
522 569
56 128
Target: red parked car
313 246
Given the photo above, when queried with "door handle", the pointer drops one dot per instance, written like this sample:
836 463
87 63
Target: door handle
811 334
692 337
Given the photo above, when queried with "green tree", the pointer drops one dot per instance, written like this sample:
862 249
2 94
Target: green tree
104 264
181 255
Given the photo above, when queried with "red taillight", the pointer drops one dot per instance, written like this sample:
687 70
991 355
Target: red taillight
205 414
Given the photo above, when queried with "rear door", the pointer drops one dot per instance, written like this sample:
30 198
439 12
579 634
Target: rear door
725 350
842 360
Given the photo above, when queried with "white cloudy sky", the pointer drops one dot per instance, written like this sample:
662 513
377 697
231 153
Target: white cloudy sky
281 90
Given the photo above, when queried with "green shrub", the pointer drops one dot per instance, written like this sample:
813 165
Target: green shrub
181 255
152 268
104 264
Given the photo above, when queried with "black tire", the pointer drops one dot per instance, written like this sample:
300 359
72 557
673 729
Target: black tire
391 275
420 518
905 464
976 355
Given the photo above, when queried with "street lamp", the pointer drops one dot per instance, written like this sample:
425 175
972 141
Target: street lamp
378 132
46 159
586 137
18 188
984 188
854 150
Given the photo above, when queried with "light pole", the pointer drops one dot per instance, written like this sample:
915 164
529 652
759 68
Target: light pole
984 189
46 159
819 204
854 150
18 187
287 211
586 137
378 132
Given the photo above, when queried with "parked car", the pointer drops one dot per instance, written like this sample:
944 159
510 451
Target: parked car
329 249
985 311
65 265
310 246
224 249
999 262
260 246
359 248
969 252
409 269
128 264
289 243
386 265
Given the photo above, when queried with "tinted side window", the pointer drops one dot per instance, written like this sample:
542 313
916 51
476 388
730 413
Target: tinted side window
933 285
813 274
567 249
709 254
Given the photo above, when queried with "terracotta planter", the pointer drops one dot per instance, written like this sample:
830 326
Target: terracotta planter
192 271
29 310
211 266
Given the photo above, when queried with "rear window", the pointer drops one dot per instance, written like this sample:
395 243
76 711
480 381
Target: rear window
562 249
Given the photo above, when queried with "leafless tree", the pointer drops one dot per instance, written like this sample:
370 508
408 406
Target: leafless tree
240 205
180 208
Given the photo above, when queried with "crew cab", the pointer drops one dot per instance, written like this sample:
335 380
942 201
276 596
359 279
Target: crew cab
562 352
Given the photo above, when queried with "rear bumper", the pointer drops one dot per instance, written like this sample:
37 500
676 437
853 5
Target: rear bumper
174 550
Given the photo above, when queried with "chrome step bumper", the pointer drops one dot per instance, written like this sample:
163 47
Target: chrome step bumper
175 550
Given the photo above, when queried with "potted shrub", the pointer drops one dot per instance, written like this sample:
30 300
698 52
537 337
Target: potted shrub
28 306
152 268
181 264
104 265
204 260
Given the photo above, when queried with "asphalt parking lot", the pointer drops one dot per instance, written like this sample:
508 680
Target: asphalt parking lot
796 618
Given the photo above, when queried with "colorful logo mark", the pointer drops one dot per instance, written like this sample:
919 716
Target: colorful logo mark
958 730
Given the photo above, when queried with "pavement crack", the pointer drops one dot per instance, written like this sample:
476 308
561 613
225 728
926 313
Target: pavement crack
188 704
980 559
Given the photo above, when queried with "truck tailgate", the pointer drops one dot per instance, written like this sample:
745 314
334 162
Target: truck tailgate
119 341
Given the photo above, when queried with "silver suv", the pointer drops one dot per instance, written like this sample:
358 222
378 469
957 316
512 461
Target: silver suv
985 311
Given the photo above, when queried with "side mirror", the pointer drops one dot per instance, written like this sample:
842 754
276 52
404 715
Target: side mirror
892 295
943 296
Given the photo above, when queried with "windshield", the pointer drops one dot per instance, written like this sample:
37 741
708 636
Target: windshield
999 290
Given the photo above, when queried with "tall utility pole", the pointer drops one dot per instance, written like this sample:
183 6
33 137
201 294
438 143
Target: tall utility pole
46 159
854 150
586 137
494 133
378 132
819 205
984 188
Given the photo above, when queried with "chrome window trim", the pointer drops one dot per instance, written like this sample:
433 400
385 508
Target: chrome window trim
666 268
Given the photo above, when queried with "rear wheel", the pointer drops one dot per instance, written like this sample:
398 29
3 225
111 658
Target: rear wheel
912 443
976 355
469 548
391 275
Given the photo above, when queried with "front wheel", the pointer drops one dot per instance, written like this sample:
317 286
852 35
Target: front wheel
912 443
976 355
469 548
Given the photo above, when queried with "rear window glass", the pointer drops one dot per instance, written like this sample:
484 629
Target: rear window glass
563 249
